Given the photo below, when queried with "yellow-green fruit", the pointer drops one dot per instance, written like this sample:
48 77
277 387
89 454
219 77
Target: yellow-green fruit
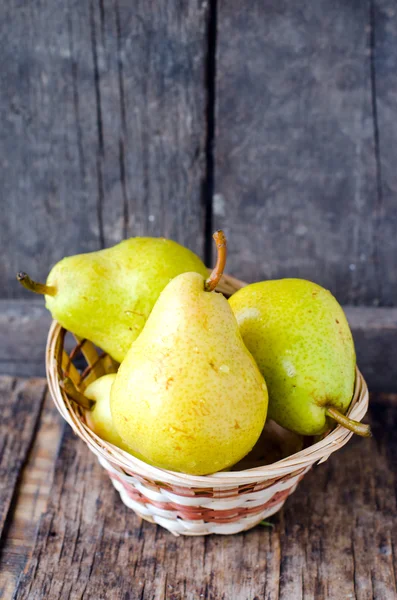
299 336
99 419
188 395
106 296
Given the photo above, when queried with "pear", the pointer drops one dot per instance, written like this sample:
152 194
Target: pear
96 404
188 396
99 418
106 296
301 341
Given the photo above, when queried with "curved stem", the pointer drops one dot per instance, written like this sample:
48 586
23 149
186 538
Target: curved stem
70 389
355 426
221 246
33 286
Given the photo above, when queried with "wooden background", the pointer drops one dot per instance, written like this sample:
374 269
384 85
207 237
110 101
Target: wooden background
275 121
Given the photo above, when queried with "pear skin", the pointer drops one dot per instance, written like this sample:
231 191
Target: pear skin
106 296
99 418
301 341
188 395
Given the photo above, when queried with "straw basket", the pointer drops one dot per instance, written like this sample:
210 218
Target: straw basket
223 503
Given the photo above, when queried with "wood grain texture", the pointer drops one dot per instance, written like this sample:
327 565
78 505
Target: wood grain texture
295 165
30 497
334 539
103 108
384 80
20 406
24 327
48 188
375 337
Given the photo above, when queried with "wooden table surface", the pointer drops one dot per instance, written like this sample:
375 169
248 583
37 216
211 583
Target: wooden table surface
65 533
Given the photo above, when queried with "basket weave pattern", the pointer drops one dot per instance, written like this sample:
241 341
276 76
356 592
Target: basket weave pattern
223 503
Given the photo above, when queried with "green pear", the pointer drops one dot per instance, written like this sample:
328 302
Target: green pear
99 418
301 341
106 296
188 396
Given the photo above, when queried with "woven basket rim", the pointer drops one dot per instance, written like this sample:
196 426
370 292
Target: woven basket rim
317 452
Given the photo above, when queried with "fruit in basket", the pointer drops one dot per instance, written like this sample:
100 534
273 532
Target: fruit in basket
95 401
99 418
188 396
106 296
299 336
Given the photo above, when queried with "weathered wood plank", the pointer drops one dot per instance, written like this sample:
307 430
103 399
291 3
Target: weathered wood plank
48 179
384 79
295 168
151 103
375 337
20 406
334 539
24 326
30 499
103 108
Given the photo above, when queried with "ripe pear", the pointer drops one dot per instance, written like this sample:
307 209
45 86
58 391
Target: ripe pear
99 418
188 396
301 341
106 296
96 404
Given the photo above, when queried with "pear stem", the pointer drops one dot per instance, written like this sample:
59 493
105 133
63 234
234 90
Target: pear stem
355 426
33 286
221 246
70 389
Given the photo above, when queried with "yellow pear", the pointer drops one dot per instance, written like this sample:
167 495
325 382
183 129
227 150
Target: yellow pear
96 404
99 418
188 396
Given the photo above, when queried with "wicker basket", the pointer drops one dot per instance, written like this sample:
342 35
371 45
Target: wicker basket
224 503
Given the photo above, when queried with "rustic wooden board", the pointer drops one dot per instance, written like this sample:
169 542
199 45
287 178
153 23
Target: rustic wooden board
103 111
295 165
20 406
384 79
24 327
107 118
31 493
375 337
48 189
334 539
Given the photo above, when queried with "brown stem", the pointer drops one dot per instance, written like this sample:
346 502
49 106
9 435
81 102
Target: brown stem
221 246
33 286
355 426
70 389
